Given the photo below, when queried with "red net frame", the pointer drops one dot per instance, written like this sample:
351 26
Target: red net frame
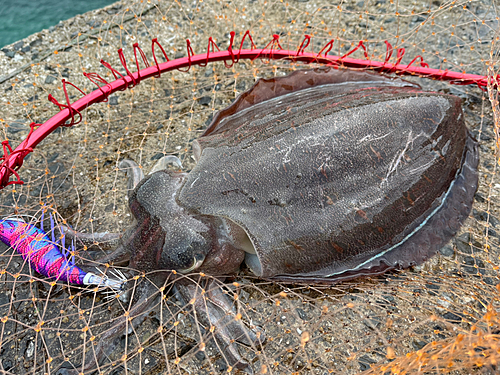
12 160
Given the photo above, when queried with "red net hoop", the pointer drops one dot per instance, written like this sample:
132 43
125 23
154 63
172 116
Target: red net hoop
13 159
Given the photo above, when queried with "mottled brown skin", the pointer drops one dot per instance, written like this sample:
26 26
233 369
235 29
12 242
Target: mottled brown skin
315 209
319 176
379 158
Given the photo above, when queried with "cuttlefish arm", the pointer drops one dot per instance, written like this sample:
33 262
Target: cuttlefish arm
108 240
217 319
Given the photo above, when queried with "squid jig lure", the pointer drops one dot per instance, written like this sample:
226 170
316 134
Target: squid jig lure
44 256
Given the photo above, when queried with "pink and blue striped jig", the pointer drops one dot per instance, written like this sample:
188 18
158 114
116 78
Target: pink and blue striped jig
44 256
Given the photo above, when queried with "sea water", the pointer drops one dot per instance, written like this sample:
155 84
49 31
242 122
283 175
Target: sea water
20 18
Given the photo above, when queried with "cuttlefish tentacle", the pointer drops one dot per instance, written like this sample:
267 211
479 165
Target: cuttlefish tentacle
134 174
239 331
164 162
212 308
106 240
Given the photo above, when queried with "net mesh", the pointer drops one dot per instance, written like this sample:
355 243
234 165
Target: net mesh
440 317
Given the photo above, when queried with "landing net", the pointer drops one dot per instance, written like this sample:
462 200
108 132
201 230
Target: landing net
441 317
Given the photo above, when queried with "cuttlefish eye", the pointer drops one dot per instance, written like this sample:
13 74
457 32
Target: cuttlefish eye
198 260
183 240
184 258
